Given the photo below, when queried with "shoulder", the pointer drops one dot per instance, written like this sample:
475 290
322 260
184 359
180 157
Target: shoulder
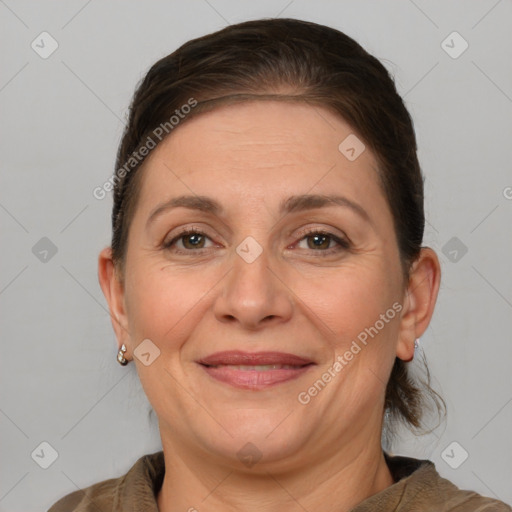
454 499
98 496
137 486
421 488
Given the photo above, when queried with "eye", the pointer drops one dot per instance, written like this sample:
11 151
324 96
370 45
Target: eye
322 241
188 240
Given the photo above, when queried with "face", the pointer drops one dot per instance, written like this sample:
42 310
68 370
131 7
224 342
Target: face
277 314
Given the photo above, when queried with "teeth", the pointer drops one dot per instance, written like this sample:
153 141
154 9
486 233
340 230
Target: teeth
260 368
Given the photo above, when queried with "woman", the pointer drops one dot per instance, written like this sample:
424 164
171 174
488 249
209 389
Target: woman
267 279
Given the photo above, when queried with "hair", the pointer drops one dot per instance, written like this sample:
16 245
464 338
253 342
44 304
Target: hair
287 60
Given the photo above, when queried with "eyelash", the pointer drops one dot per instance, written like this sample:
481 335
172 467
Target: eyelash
343 244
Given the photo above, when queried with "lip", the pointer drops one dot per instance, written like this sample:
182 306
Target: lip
223 366
238 357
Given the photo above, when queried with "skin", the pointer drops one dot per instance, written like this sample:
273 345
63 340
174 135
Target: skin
293 298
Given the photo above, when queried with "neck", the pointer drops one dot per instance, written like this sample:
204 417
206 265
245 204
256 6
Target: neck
193 483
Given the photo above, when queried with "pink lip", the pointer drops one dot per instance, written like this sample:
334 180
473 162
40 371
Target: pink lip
220 367
237 357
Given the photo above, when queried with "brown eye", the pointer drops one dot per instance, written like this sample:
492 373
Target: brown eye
318 241
193 241
323 242
187 241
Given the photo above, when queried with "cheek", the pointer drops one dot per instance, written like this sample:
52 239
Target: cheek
348 300
163 303
358 311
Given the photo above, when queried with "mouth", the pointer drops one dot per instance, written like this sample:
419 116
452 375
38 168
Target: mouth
255 370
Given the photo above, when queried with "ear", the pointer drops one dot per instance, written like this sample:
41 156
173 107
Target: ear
113 289
419 301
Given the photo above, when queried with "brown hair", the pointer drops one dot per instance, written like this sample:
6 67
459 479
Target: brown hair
314 64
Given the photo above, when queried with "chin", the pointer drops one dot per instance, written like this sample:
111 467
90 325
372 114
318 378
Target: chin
257 438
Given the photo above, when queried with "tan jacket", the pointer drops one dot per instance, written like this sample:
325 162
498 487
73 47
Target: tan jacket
417 488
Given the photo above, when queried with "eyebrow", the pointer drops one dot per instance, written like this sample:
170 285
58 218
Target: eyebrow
314 201
292 204
202 203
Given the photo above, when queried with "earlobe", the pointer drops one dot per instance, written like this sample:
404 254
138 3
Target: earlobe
113 290
419 302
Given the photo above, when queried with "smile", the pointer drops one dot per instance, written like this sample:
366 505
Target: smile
259 368
255 371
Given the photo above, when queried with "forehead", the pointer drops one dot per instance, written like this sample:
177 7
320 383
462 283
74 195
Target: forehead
260 149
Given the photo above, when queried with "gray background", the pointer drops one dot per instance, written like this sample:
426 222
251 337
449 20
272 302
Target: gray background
62 118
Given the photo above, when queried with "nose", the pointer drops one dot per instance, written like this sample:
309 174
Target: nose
253 295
